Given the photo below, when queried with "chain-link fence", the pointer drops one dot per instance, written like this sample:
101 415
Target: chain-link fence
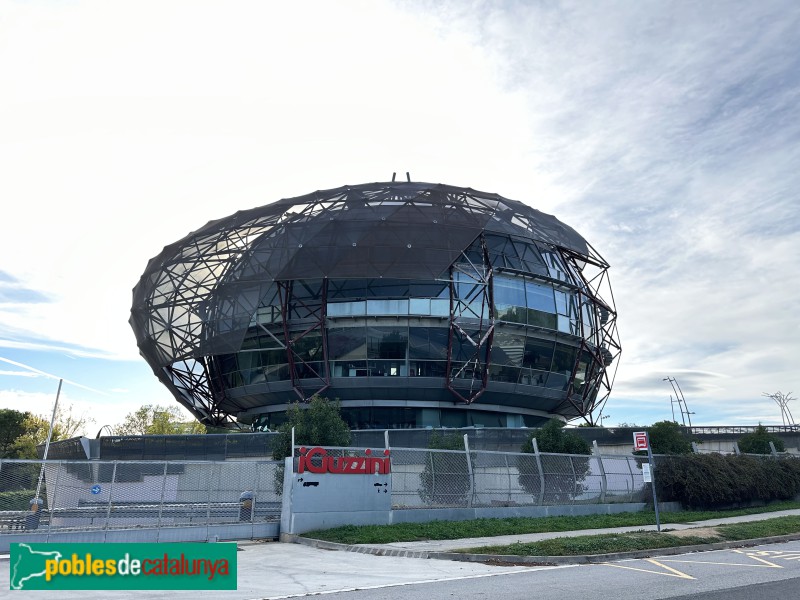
453 478
87 495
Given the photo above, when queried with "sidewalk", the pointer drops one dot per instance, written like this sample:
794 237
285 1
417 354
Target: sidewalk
451 545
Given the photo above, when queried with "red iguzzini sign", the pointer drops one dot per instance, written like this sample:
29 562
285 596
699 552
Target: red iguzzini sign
359 465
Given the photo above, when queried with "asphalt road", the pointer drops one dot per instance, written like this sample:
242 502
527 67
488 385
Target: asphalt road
770 572
272 571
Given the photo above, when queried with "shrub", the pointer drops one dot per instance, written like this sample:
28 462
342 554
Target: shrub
445 478
714 480
319 424
563 475
666 437
758 442
18 500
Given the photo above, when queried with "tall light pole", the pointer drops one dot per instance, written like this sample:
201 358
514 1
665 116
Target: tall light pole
783 401
684 408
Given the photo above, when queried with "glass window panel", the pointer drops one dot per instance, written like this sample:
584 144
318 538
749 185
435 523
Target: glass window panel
564 359
428 342
503 373
307 289
512 314
440 308
309 347
387 368
387 288
351 368
347 342
387 307
347 288
541 319
428 368
556 381
387 342
540 297
347 309
419 306
508 349
509 291
533 377
538 354
429 289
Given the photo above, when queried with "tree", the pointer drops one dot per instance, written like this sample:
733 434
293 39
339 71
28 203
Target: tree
667 437
317 423
36 427
445 478
563 475
11 428
758 442
154 419
552 438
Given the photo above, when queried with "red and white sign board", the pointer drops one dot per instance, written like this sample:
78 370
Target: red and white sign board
640 440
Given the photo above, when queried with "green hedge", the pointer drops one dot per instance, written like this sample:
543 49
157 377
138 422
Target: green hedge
17 500
716 480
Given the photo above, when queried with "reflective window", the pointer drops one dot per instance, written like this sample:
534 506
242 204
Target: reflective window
564 359
428 343
347 288
540 297
347 343
538 354
509 291
538 318
427 368
387 288
387 342
508 349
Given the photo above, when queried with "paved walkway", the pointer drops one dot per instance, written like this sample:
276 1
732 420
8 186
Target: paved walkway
501 540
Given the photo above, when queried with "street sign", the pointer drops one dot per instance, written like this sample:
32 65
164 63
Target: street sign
96 489
639 440
646 473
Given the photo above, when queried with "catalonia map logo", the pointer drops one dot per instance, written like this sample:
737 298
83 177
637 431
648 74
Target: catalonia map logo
123 566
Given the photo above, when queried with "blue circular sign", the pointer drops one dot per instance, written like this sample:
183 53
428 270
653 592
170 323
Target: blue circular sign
96 489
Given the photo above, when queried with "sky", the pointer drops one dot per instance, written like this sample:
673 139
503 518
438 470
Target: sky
666 133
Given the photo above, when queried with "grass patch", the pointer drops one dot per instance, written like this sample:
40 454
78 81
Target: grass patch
759 529
452 530
594 544
642 540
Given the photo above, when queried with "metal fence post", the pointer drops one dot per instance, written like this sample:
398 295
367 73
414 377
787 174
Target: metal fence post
51 500
628 461
469 471
541 471
603 480
110 497
208 498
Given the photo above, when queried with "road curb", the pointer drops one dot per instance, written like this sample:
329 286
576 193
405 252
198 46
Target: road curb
515 559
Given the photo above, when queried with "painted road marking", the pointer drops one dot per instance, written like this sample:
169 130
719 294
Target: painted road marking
776 554
672 572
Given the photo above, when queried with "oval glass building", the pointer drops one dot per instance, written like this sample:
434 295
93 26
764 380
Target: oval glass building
414 304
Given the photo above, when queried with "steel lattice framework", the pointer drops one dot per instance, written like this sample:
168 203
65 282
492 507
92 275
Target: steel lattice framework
237 314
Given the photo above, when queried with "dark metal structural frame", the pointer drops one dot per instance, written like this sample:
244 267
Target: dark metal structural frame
199 297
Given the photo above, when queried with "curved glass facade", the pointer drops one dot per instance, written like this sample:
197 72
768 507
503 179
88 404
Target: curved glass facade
493 325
